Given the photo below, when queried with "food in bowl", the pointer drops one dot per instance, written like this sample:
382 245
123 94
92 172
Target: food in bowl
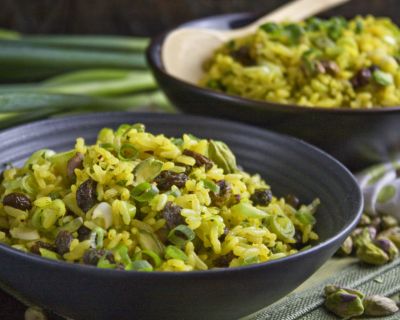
138 201
333 63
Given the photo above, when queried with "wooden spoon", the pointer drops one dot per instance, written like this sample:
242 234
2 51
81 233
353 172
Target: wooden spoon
185 49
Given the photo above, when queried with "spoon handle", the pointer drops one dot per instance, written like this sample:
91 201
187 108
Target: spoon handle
298 10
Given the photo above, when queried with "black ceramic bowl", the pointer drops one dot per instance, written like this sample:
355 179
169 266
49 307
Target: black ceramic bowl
356 137
84 292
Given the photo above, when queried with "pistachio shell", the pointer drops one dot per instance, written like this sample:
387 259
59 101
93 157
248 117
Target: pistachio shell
222 156
379 306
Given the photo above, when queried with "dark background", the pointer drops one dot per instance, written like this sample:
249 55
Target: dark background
143 18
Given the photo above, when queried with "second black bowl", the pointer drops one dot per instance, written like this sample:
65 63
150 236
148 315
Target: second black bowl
358 138
84 292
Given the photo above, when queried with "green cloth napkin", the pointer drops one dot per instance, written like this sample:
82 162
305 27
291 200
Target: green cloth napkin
306 303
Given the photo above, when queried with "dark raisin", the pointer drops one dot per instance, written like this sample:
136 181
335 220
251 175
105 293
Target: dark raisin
40 244
172 215
292 200
86 196
298 236
361 78
76 162
200 159
84 233
243 56
17 200
261 197
223 236
166 179
224 194
224 261
63 241
92 256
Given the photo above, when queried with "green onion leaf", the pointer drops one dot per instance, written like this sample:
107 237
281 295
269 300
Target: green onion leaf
172 252
153 256
105 264
128 152
282 226
180 235
382 78
270 27
123 253
139 265
48 254
246 210
211 185
144 192
107 146
305 217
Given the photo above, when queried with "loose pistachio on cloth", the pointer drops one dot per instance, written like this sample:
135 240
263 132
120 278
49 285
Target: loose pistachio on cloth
376 240
348 303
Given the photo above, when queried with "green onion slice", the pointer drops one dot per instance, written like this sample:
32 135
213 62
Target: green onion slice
211 186
180 235
282 226
153 256
105 264
140 265
128 152
172 252
246 210
144 192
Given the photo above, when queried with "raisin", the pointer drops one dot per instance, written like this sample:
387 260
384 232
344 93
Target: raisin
166 179
84 233
261 197
17 200
200 159
76 162
63 241
224 194
86 196
92 256
243 56
292 200
172 215
361 78
40 244
224 261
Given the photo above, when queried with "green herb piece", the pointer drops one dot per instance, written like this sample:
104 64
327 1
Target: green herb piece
270 27
211 186
180 235
222 156
172 252
153 256
246 210
282 226
128 152
144 192
49 254
148 241
140 265
382 78
147 170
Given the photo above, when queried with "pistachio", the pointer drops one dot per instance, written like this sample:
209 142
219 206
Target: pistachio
364 221
329 289
369 253
222 156
388 246
363 235
346 248
147 170
392 234
379 306
389 222
344 304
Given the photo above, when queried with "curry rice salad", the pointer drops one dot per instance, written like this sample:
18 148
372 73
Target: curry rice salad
138 201
325 63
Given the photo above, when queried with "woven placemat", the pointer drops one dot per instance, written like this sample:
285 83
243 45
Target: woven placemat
308 304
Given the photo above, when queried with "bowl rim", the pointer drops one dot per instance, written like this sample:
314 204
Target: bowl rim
153 56
81 268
